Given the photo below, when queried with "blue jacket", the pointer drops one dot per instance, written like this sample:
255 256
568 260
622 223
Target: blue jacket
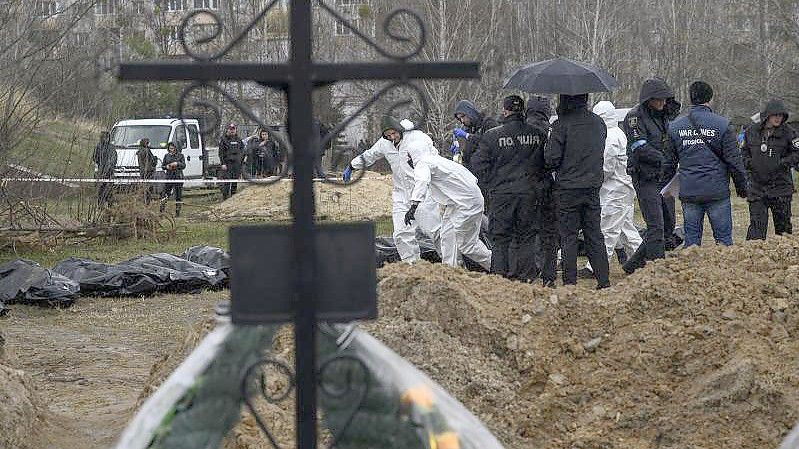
703 176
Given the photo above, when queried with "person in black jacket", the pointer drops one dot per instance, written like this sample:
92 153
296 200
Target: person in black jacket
261 151
474 124
105 159
173 164
147 165
650 163
770 148
576 154
538 113
504 163
231 156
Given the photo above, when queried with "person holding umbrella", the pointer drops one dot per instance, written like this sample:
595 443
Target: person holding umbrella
575 155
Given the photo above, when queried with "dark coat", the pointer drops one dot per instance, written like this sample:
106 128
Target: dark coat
703 176
174 173
769 171
649 152
231 150
576 149
480 124
147 162
505 162
105 156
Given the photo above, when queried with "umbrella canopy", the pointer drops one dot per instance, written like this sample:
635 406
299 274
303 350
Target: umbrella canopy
561 76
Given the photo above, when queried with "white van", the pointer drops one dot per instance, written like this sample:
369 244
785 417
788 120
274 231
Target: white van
126 134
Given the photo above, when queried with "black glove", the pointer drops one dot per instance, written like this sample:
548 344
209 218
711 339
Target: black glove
410 215
742 192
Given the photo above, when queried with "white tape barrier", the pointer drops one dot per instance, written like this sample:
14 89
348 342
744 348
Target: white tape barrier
165 181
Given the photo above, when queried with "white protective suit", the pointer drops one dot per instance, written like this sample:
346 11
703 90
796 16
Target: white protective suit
428 213
455 188
617 194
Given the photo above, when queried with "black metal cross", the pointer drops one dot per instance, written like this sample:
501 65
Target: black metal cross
298 78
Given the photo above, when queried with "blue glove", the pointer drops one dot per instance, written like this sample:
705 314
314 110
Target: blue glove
458 133
454 148
347 175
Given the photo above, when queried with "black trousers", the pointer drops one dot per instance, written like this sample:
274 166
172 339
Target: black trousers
514 223
233 172
758 217
652 209
580 209
669 220
105 193
173 187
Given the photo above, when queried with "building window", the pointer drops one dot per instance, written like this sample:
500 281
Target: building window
173 34
206 4
175 5
103 7
343 30
47 9
348 2
81 38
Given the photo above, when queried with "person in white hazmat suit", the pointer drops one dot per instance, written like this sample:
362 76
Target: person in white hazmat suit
454 187
396 154
617 194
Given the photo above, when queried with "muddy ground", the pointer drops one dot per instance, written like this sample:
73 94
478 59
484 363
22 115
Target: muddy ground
89 363
699 350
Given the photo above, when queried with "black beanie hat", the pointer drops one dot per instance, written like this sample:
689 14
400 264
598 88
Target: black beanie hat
513 103
700 92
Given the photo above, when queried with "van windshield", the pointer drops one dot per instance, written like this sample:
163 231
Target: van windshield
130 135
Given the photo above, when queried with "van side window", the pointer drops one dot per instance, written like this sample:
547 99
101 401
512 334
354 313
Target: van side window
180 137
194 136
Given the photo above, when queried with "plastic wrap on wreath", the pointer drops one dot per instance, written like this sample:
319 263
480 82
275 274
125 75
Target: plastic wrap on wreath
177 275
100 279
26 282
209 256
389 403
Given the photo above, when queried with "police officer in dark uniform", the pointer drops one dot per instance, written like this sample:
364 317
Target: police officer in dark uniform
504 163
576 153
770 148
651 165
231 156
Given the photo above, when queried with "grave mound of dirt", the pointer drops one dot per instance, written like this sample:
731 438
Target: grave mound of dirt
20 409
367 199
698 350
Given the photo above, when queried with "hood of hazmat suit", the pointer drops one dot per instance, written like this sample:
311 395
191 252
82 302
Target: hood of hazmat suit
617 184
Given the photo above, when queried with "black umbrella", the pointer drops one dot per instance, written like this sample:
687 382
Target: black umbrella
561 76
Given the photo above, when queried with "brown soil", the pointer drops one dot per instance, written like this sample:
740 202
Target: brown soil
367 199
699 350
91 362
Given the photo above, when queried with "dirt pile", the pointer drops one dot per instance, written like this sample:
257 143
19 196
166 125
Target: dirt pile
367 199
699 350
20 409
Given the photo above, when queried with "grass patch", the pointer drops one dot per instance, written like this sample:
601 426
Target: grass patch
57 148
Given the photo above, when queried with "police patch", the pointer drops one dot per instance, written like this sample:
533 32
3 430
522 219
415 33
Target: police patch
633 122
796 143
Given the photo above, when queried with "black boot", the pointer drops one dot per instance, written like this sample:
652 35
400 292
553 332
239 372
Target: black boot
177 210
621 255
162 206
